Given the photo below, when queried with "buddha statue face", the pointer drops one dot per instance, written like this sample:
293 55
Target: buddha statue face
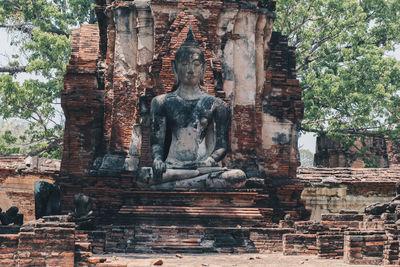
189 67
189 64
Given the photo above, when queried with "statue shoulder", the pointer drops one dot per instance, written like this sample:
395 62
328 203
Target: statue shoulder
163 98
221 102
213 99
217 102
158 103
158 99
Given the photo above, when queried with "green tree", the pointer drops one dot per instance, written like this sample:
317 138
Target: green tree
351 86
41 30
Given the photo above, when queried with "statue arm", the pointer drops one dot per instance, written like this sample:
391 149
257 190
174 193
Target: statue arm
158 129
222 120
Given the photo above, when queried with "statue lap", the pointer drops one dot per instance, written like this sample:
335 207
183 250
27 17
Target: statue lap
198 119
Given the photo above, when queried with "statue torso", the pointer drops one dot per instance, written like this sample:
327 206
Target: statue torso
188 121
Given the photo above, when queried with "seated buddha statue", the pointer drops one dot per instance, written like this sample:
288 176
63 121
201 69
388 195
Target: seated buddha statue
189 130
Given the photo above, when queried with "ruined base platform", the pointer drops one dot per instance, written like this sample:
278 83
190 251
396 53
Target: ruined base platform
352 237
195 222
194 208
138 220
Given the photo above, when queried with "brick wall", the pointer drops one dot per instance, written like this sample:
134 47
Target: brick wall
364 247
82 103
331 153
39 243
8 249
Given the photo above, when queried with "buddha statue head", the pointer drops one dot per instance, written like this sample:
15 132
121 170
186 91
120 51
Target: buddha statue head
189 65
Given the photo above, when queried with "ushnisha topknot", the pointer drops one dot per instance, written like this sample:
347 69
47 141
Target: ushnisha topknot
190 41
188 46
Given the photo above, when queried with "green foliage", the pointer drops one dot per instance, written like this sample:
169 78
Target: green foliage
41 30
351 85
7 142
12 137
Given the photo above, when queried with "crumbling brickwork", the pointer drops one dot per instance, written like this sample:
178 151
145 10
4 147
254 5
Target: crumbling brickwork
17 179
334 189
39 244
82 103
332 154
354 237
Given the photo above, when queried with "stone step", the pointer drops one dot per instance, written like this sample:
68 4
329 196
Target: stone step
82 246
81 237
184 215
193 212
193 199
174 239
82 256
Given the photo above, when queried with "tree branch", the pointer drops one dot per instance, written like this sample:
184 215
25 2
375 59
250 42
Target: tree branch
27 28
13 69
51 146
58 31
356 132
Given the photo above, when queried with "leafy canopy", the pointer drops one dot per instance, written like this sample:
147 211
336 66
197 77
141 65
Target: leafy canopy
351 86
41 30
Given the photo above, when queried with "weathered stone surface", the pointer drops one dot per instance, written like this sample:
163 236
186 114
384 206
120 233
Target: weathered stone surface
298 244
364 247
47 199
83 215
11 217
376 209
39 243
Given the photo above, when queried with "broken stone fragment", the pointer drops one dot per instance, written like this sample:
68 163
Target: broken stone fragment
159 262
376 208
393 205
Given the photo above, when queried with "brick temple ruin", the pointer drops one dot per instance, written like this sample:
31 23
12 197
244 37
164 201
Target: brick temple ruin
332 153
116 68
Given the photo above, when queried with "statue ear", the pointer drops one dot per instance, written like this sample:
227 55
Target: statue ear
176 81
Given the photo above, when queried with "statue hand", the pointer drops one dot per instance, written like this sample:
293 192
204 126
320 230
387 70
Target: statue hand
158 168
209 162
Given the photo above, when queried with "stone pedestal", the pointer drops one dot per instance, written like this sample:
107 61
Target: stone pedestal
194 222
234 209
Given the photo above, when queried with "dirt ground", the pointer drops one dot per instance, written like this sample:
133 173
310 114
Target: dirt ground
220 260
